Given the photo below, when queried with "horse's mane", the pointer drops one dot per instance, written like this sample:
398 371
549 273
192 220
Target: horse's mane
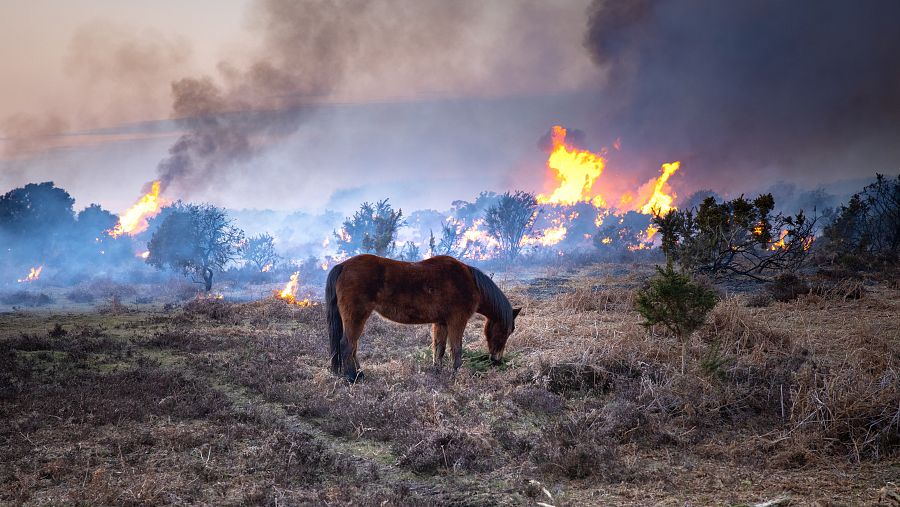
493 298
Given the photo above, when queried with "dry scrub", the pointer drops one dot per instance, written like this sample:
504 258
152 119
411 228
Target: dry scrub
231 403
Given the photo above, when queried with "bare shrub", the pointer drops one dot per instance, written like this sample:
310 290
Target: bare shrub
787 287
539 400
760 300
576 447
844 289
568 378
211 308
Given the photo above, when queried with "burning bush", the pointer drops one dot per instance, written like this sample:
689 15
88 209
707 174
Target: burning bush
736 238
259 251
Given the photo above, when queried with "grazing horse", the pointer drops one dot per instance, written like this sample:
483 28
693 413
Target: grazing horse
441 291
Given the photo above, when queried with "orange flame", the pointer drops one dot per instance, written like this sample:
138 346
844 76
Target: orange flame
576 170
144 255
289 293
552 235
134 220
660 202
780 243
266 268
33 275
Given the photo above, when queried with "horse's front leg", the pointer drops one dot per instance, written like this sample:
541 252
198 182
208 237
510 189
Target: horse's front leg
455 332
438 343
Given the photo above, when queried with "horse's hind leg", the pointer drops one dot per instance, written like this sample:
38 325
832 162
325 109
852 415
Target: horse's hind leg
353 329
438 343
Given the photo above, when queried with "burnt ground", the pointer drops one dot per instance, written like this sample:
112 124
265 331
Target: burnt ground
220 403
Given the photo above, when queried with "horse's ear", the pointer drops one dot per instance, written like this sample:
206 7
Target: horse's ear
516 312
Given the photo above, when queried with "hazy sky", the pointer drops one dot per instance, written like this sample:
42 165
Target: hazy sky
72 69
316 103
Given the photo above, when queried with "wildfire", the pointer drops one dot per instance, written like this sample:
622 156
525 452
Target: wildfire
576 170
33 275
134 220
266 268
144 255
289 293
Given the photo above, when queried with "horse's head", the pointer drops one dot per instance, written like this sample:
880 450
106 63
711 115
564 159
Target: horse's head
497 333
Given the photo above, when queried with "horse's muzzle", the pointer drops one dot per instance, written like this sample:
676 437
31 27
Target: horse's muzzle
496 359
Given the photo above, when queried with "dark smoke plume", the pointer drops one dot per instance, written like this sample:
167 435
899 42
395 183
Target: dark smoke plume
314 50
303 44
802 88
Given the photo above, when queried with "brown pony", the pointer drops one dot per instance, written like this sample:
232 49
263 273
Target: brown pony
440 291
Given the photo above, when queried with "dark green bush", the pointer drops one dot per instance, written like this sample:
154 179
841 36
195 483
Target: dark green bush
677 302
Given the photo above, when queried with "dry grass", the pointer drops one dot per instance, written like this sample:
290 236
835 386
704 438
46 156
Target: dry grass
231 403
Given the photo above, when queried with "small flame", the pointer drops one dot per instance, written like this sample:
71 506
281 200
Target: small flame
144 255
134 220
780 243
324 265
289 293
266 268
33 275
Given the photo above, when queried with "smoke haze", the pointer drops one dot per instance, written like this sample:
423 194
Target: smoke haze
324 104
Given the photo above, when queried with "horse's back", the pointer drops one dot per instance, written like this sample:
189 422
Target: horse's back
432 290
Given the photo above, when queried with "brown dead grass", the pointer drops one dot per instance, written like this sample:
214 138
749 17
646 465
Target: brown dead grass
797 397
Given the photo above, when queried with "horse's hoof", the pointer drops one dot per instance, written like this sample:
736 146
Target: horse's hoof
354 378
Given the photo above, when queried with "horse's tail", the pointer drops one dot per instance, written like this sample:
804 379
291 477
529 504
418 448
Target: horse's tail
333 315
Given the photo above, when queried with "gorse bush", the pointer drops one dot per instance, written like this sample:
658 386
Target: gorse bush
677 302
510 220
740 237
372 229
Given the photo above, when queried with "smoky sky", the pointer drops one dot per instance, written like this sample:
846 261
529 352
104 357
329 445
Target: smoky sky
313 50
327 103
807 88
